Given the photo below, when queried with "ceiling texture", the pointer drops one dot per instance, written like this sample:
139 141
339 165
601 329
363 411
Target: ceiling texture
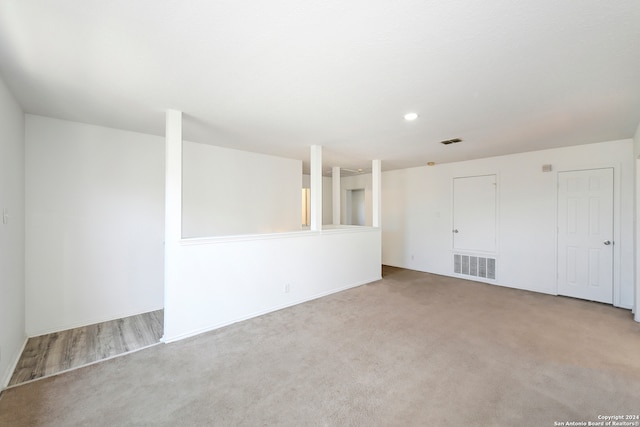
277 76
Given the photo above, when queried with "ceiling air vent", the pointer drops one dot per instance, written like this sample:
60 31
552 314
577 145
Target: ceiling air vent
450 141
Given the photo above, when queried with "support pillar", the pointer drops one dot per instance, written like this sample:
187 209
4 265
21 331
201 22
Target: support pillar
316 187
173 177
636 303
376 191
172 213
336 194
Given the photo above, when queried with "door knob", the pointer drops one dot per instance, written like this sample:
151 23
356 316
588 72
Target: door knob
607 242
455 231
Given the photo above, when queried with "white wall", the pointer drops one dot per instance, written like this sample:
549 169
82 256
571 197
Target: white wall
94 224
212 283
230 192
12 312
417 214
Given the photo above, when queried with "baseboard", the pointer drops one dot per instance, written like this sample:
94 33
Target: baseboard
75 368
624 306
263 312
522 288
12 367
487 281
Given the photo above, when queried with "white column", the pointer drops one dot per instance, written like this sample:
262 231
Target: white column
316 187
172 214
636 304
173 177
336 196
376 190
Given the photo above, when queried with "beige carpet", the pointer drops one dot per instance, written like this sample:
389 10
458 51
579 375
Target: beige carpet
411 350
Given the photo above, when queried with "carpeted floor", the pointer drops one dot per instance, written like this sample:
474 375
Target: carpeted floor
413 349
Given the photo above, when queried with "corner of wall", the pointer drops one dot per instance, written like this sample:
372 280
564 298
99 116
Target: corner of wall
94 200
636 246
12 233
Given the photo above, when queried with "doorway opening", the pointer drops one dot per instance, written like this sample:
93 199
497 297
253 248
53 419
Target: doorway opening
355 207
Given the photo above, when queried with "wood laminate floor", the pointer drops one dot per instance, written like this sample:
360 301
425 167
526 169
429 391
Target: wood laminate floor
53 353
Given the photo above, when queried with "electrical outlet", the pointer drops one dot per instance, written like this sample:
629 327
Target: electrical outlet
287 288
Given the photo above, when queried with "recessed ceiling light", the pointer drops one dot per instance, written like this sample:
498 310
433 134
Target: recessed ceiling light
410 116
431 163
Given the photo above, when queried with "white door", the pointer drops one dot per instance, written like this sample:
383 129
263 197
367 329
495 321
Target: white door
474 213
585 234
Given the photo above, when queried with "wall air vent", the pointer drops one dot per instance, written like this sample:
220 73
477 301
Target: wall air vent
450 141
470 265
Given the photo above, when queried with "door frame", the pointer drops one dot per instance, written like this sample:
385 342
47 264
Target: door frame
616 222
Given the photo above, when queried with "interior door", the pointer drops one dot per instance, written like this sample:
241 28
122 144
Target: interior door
585 234
474 213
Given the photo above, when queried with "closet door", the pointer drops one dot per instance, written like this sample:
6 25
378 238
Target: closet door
474 213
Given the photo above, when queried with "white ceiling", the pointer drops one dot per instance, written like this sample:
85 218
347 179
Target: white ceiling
278 76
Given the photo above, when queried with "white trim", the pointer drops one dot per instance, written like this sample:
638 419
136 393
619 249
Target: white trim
342 229
12 367
246 237
84 365
521 288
